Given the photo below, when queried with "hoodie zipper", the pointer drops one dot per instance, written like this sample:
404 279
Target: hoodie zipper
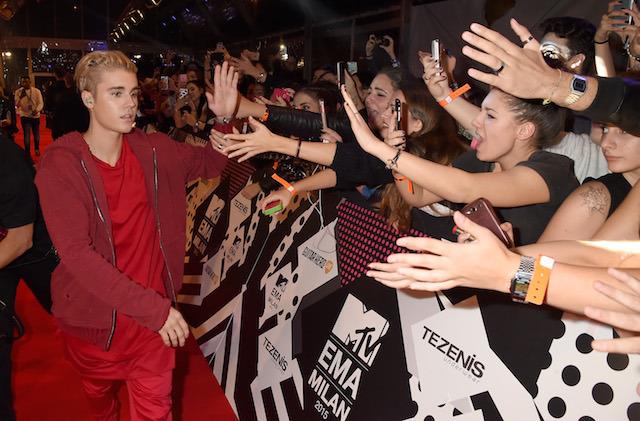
155 203
113 250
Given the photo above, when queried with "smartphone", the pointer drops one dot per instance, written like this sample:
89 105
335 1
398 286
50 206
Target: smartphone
340 67
182 80
352 67
481 212
216 58
435 51
164 83
273 207
281 93
323 114
626 20
404 118
397 109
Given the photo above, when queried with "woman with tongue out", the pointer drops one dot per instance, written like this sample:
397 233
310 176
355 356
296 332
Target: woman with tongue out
506 165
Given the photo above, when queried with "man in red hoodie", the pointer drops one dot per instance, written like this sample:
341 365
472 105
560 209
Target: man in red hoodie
114 201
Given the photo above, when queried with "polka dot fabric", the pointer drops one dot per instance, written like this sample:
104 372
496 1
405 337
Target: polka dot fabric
363 237
583 384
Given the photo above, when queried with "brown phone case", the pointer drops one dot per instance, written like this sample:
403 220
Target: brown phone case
404 117
481 212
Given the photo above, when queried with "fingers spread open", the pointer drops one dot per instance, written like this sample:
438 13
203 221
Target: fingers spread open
493 42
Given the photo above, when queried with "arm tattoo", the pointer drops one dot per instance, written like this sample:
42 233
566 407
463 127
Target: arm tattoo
595 198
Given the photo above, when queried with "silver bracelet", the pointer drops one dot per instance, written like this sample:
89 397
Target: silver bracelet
392 164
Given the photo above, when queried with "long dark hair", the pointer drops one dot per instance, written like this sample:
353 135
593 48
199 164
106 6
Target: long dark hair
437 141
548 119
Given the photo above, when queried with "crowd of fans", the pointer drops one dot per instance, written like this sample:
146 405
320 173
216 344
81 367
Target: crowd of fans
553 145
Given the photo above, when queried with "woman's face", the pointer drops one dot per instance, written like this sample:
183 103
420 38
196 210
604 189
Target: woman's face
496 128
621 150
378 100
194 92
192 75
302 101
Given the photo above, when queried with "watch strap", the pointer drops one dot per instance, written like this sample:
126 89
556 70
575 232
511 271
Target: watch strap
522 278
575 94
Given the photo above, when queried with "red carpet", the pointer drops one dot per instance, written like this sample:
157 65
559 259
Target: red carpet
47 388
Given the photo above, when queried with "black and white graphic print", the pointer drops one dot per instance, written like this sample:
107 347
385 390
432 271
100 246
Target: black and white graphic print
288 341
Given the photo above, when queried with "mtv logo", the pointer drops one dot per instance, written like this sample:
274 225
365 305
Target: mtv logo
360 329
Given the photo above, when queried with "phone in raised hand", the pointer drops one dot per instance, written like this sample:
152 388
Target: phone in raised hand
435 52
323 114
624 20
397 109
340 69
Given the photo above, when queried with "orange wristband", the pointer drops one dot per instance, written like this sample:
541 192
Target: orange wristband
455 94
539 280
409 182
284 183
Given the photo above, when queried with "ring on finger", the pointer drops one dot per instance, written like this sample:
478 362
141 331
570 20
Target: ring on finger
526 41
499 69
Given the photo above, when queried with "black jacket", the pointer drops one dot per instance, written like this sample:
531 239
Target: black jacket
305 124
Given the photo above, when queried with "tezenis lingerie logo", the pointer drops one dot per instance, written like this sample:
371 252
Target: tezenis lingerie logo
349 353
458 358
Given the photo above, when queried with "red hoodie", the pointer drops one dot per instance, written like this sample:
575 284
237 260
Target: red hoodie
87 289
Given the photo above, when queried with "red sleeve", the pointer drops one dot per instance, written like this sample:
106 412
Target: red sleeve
66 204
196 161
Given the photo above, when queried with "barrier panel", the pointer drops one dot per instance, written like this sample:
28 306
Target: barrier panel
287 341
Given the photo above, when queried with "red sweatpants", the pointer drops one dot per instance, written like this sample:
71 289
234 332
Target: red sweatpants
149 398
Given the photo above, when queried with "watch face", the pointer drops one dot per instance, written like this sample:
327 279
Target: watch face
579 84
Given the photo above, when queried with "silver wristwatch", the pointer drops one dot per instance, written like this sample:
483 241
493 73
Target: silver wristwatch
521 280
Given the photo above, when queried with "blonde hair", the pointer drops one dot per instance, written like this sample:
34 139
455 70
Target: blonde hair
90 66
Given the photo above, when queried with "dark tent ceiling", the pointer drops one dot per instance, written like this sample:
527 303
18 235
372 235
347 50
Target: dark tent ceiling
200 23
194 23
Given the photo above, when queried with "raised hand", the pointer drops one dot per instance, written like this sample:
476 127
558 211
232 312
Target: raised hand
248 145
524 72
224 99
175 330
390 48
434 77
395 138
361 130
372 43
244 65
